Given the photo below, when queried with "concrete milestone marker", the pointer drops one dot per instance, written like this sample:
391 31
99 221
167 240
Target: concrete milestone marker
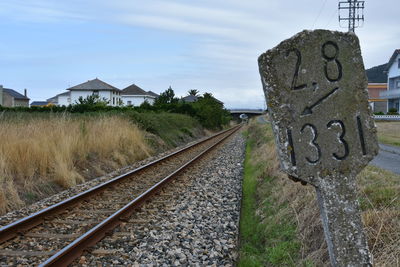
315 86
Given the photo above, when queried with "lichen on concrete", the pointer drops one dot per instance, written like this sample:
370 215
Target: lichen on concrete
314 84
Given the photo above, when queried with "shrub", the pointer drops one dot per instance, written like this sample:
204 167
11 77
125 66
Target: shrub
172 128
211 112
392 111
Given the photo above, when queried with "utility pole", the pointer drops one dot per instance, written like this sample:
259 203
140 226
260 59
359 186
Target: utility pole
355 15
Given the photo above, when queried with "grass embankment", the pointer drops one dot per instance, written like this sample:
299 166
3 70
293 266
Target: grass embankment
389 132
173 129
280 221
267 227
41 154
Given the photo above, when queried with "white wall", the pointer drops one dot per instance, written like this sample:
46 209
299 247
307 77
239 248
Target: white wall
394 70
371 104
109 95
137 100
64 100
150 100
76 94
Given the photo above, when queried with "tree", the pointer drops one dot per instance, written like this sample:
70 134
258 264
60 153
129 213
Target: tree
193 92
92 100
210 112
209 96
146 105
167 97
90 103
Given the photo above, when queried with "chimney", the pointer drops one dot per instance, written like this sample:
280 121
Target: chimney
25 92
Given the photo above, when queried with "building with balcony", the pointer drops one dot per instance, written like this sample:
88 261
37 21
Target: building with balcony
392 94
377 103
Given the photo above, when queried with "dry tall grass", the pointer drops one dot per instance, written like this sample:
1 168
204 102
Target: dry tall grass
62 151
389 132
379 192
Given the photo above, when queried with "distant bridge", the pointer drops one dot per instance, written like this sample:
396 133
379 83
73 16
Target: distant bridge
235 112
247 111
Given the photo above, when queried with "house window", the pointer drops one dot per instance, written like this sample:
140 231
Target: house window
113 100
398 84
129 103
398 63
95 92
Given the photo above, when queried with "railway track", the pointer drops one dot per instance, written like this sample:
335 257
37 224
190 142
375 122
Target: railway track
59 234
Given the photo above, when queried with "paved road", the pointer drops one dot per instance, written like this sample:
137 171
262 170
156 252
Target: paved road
262 119
388 158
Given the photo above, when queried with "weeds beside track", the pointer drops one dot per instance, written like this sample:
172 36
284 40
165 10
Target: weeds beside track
286 228
44 153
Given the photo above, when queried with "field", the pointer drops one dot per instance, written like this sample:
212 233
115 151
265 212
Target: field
41 154
282 225
389 132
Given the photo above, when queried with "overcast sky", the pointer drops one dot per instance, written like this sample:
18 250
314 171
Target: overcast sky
210 45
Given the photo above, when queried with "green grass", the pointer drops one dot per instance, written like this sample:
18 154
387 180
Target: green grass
268 241
174 129
388 140
389 132
251 241
379 189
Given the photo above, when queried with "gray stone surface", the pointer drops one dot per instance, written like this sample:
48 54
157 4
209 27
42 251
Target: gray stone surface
312 114
314 85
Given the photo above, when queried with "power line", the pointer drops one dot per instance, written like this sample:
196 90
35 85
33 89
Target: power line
331 17
319 13
355 15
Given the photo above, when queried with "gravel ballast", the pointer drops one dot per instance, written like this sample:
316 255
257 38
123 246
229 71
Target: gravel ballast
199 225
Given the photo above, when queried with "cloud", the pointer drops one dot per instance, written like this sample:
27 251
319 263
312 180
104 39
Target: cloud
206 15
210 44
175 24
39 11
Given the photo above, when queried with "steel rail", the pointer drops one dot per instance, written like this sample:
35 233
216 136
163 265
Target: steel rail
11 230
72 251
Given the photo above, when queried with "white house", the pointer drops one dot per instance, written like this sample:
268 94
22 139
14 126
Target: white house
393 88
63 99
94 87
133 95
